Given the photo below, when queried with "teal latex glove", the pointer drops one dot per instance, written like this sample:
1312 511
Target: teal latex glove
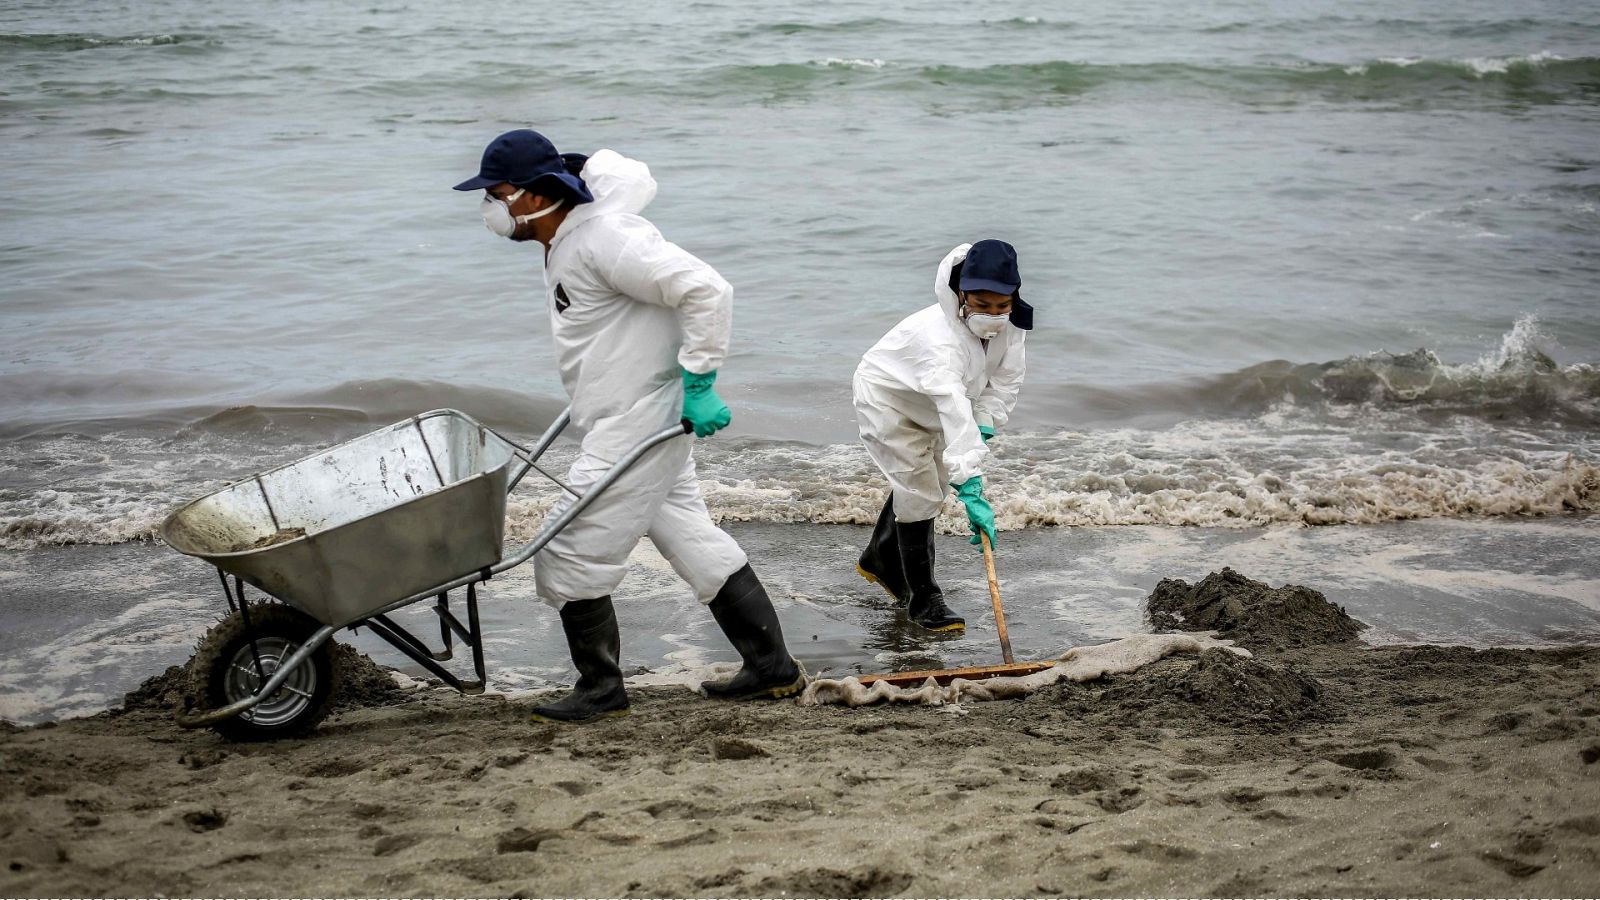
979 512
701 405
986 432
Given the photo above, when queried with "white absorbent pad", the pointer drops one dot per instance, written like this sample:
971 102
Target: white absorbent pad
1077 664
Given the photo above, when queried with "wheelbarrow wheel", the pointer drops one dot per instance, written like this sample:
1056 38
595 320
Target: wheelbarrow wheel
224 671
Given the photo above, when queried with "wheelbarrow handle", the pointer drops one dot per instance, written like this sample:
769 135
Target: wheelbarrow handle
530 457
553 527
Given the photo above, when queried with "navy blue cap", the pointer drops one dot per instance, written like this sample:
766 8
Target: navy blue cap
991 266
526 159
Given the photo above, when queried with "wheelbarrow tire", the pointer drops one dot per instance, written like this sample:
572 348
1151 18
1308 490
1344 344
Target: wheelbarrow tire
223 671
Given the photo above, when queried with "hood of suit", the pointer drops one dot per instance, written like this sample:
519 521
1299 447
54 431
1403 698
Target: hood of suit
618 184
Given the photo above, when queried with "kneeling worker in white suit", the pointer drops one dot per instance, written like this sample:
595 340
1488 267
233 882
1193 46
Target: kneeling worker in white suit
640 327
928 397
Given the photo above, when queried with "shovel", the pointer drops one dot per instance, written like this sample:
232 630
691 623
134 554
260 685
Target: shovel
972 673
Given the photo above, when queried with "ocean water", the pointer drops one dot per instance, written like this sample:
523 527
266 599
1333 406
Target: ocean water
1298 265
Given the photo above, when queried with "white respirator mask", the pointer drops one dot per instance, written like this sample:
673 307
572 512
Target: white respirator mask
498 218
986 327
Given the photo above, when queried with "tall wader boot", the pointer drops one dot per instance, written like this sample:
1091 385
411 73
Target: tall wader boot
596 647
745 613
927 601
880 562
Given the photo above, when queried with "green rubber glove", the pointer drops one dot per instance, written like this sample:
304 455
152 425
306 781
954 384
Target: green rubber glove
979 512
701 405
987 432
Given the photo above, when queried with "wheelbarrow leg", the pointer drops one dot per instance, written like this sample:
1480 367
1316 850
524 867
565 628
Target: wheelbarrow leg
244 613
442 607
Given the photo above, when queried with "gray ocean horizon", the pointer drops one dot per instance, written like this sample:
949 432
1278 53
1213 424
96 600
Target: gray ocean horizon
1307 269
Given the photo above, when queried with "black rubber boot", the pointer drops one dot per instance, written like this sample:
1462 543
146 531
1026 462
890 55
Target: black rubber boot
596 648
880 562
927 601
745 613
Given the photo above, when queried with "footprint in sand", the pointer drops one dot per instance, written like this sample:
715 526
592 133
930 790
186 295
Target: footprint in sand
202 820
573 788
1158 851
1365 760
394 843
1516 868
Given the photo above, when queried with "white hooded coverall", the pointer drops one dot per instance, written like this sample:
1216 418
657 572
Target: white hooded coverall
627 309
922 391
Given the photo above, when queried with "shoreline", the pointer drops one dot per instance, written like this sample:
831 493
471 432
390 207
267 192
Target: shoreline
88 623
1328 769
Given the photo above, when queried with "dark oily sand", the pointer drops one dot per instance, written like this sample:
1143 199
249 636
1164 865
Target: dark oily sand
361 683
1250 612
1327 770
281 536
1225 687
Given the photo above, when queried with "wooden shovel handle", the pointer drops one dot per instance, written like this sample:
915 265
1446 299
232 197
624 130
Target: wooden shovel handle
994 595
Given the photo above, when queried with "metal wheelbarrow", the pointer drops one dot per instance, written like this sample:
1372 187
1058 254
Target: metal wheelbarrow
344 537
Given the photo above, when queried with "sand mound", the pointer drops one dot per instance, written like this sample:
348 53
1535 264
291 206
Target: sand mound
1224 687
1250 612
162 693
362 683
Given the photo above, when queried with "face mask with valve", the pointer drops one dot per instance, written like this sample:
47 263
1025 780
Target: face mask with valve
985 326
498 218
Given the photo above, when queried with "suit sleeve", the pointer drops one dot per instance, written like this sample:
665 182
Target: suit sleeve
651 269
993 406
938 377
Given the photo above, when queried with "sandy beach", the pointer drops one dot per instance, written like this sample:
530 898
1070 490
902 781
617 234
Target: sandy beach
1319 766
1310 300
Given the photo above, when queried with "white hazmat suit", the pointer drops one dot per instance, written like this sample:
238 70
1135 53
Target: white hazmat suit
627 309
922 391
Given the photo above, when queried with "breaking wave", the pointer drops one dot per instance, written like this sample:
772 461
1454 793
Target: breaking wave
1280 468
1515 382
1374 438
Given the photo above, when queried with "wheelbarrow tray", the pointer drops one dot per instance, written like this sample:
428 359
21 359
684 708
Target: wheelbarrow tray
345 532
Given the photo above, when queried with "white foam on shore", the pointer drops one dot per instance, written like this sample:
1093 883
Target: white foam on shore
1364 440
65 677
1227 473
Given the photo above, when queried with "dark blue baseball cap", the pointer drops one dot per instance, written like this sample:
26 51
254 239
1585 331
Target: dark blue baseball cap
991 266
526 159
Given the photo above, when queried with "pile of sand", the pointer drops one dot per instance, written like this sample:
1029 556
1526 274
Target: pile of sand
1250 612
1222 687
360 683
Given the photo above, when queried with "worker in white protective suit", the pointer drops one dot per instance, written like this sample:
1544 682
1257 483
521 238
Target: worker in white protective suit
640 327
928 398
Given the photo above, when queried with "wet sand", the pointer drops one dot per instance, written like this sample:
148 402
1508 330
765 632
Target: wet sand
82 625
1331 769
